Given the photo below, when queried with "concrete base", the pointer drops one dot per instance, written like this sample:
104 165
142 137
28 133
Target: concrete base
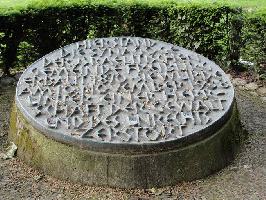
139 170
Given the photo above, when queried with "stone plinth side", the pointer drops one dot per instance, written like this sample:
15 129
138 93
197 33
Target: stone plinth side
126 170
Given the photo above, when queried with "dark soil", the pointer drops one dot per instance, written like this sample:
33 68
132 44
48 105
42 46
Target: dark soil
245 178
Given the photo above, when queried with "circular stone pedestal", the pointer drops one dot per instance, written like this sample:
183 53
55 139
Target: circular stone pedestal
125 112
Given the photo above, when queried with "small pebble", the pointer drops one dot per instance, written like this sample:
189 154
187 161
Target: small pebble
253 93
262 91
246 166
38 177
251 86
229 76
263 99
239 82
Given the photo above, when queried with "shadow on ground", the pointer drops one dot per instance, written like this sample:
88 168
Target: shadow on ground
245 178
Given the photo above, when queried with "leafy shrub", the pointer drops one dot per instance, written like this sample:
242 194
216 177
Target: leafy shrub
254 46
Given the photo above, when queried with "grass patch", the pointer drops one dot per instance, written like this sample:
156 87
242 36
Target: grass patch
15 6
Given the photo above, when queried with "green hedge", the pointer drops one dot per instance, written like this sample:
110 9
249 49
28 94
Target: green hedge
254 43
215 31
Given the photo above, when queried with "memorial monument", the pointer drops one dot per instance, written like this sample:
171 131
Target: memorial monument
125 112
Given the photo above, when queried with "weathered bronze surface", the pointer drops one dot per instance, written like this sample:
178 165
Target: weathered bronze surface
123 90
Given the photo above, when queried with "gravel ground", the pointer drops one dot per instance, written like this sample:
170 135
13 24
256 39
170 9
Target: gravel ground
245 178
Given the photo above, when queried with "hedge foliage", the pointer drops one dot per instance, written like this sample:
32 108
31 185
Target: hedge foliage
222 33
254 43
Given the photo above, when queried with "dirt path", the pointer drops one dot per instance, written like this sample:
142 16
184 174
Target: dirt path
245 178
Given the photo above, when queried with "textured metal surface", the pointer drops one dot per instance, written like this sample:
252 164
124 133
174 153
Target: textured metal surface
123 90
